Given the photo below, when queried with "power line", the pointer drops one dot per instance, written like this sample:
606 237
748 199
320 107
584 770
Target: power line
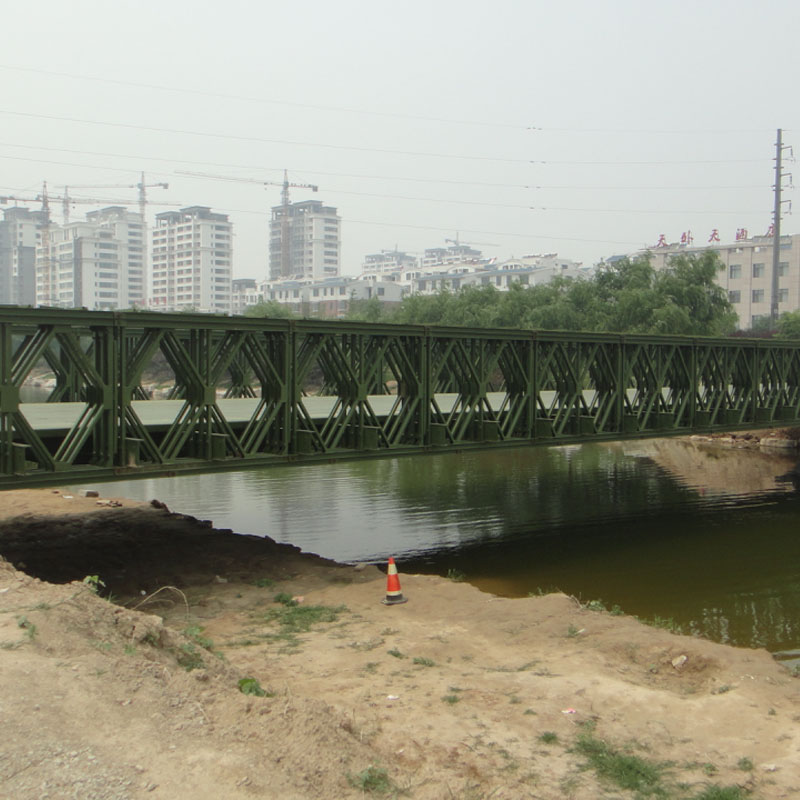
361 176
269 101
369 112
383 151
260 140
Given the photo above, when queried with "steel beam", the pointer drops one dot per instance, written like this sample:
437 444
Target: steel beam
316 390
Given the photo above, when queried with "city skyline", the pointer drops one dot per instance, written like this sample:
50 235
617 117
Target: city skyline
586 131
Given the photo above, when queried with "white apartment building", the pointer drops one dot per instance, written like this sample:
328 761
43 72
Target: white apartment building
525 271
747 273
305 241
129 229
455 254
19 235
244 293
388 261
330 299
192 258
96 264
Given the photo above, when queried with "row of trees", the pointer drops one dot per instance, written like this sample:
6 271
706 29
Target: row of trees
626 296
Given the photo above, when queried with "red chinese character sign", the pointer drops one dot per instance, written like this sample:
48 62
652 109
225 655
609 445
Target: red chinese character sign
714 235
741 234
662 241
687 238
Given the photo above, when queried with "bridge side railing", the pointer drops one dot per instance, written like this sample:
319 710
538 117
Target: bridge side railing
234 391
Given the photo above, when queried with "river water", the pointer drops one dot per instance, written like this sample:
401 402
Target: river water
709 539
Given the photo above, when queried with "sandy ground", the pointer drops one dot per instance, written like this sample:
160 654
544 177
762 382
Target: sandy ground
454 694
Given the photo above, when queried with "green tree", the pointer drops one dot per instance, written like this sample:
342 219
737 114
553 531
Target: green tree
789 325
270 309
371 310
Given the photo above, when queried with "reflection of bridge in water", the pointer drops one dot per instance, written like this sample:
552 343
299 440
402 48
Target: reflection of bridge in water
251 392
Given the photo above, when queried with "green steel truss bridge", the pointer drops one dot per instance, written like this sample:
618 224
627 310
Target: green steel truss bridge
144 394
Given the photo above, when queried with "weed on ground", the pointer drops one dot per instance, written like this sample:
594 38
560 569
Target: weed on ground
374 780
294 618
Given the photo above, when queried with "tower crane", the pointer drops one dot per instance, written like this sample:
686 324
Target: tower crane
457 242
46 265
45 197
286 259
141 186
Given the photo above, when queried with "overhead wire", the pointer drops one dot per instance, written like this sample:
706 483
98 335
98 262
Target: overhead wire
364 149
367 111
360 176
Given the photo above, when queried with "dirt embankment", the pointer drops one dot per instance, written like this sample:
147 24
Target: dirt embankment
455 694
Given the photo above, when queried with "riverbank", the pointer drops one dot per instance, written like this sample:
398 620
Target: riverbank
456 693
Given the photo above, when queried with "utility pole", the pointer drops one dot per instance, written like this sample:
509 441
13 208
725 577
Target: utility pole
776 225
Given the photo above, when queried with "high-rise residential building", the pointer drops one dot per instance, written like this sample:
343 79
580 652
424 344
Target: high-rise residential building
192 258
746 272
304 241
129 229
19 234
94 264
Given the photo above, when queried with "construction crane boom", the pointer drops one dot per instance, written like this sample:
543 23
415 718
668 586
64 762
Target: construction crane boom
457 242
141 186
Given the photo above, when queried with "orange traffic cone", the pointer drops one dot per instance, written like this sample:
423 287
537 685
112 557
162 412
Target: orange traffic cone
394 595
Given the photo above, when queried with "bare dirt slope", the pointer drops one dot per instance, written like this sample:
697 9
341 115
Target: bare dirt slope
455 694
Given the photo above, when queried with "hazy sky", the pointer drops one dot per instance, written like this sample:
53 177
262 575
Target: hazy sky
582 128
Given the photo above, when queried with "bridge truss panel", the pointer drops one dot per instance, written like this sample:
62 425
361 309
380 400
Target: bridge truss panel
143 393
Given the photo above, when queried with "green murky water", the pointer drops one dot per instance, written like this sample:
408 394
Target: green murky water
708 541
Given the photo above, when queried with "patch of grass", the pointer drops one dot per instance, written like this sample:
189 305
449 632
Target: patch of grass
709 769
253 687
624 770
573 632
189 657
294 618
389 631
195 633
721 793
94 583
29 628
514 700
371 667
129 649
396 653
599 605
745 764
540 591
595 605
263 583
374 780
424 662
452 699
285 599
722 689
456 575
105 647
548 737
